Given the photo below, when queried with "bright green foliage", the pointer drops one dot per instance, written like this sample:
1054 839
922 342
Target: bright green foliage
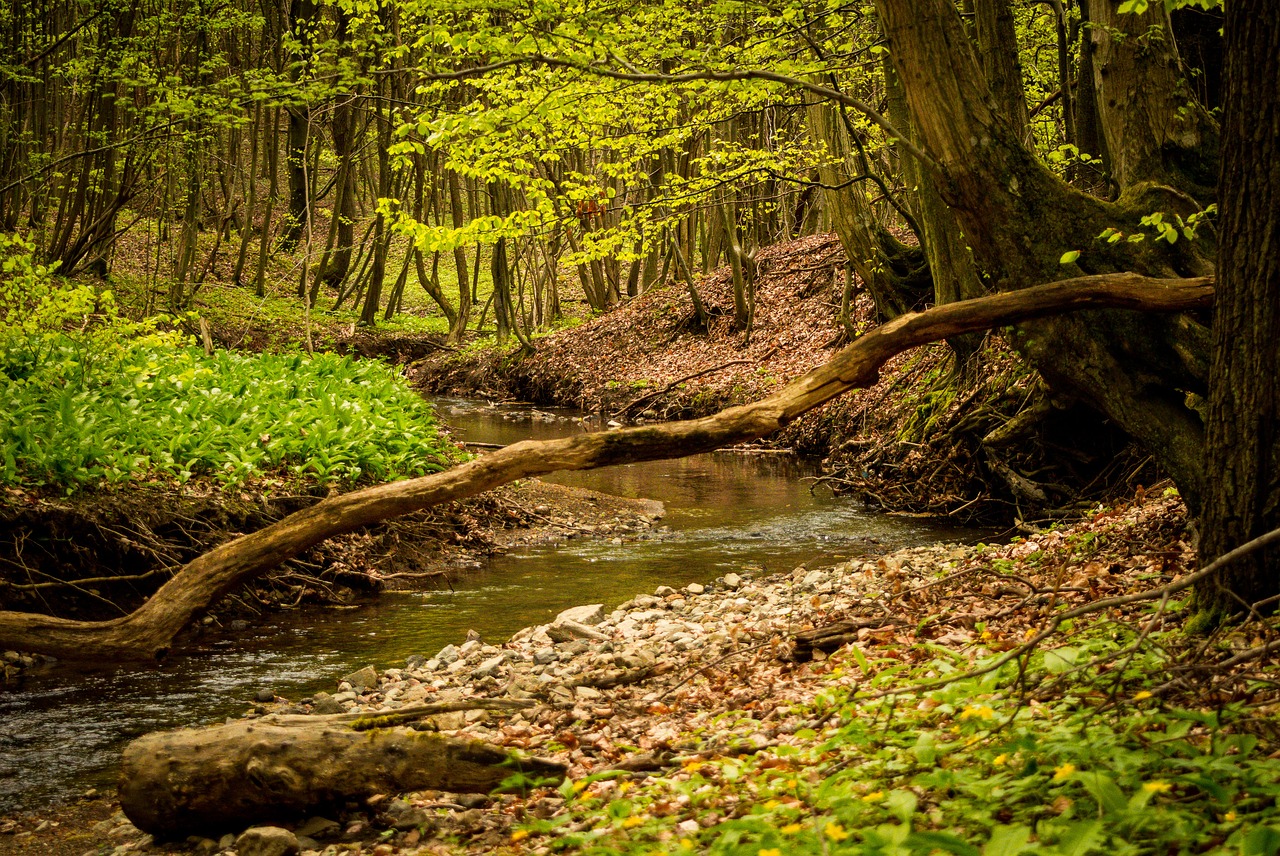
968 769
89 398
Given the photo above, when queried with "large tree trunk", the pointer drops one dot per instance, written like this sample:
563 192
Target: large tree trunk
149 631
1020 219
1243 440
211 780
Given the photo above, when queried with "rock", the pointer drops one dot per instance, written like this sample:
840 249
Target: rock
695 588
564 631
732 581
591 614
405 816
448 655
323 703
266 841
812 578
489 667
545 656
661 591
265 696
319 828
473 636
364 679
226 842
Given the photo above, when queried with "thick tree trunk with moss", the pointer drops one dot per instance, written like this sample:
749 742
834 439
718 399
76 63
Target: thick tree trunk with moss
1155 129
1020 218
1243 437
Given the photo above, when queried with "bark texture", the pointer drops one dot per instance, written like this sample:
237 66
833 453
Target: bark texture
1243 440
211 780
148 631
1020 218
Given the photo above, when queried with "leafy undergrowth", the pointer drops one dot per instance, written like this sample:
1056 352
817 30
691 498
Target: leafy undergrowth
165 411
973 768
90 398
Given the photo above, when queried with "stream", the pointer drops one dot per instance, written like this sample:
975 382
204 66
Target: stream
61 731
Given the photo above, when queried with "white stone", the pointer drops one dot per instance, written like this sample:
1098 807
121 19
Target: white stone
591 614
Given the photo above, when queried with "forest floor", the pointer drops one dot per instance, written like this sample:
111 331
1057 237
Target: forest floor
734 729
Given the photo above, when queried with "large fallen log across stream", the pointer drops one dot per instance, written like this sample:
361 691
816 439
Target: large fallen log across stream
148 632
226 777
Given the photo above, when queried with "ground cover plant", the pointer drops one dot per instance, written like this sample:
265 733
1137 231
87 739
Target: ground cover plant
91 398
977 767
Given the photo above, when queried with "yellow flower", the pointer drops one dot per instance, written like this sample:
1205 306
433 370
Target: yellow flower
980 711
1157 787
874 796
692 766
686 843
634 820
1141 695
791 829
1063 772
769 851
579 786
772 804
1229 816
519 835
1000 759
835 831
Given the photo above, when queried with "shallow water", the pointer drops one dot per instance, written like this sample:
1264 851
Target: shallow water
61 732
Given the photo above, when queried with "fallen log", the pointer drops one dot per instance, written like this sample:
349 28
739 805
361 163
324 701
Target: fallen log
148 632
227 777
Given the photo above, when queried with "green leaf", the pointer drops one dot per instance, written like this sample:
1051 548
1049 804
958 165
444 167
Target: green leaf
1007 841
1069 257
1261 841
930 841
1103 789
1079 838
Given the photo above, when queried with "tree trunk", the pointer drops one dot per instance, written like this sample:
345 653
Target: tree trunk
149 631
998 48
1242 444
1018 216
1154 130
211 780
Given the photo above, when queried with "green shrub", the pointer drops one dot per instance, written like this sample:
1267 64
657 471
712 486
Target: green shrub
89 397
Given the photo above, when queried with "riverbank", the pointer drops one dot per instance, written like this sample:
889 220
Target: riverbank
695 717
981 442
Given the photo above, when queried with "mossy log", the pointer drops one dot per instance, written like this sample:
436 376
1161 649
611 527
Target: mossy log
226 777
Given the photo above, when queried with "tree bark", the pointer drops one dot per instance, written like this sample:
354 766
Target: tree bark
1155 130
1242 441
211 780
149 631
1019 217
